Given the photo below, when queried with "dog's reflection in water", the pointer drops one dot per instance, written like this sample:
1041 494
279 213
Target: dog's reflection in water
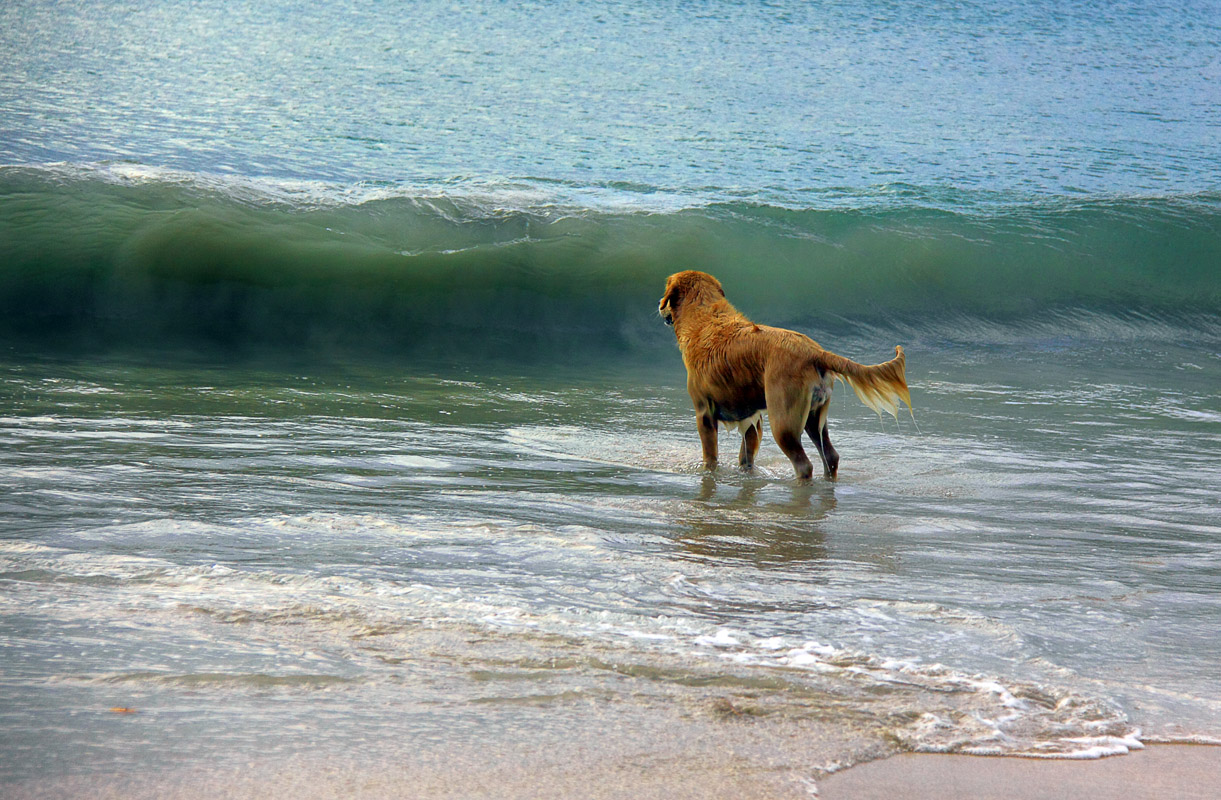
769 524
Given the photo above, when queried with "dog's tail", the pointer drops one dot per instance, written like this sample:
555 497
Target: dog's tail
879 386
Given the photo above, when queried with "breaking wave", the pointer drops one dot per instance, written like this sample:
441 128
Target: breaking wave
125 256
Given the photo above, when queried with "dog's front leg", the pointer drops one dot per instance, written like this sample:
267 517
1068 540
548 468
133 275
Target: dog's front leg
750 445
707 429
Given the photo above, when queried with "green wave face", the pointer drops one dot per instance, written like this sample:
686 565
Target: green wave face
86 261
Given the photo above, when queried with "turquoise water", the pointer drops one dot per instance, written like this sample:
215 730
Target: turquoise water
339 426
764 101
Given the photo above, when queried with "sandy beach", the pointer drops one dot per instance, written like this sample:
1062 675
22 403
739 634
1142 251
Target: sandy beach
730 765
1160 772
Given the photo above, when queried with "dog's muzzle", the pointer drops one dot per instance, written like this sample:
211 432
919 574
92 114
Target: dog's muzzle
666 316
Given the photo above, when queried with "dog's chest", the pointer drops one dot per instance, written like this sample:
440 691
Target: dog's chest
741 424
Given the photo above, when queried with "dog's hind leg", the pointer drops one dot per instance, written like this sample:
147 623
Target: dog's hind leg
787 410
816 428
790 442
750 445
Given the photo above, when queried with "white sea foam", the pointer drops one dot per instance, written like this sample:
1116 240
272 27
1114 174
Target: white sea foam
461 199
958 712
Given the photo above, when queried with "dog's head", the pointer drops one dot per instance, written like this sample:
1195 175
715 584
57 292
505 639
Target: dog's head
685 289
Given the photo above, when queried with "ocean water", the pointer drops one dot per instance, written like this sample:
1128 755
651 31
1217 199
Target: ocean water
338 429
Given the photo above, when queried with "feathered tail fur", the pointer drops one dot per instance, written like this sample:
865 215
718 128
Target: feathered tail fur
879 386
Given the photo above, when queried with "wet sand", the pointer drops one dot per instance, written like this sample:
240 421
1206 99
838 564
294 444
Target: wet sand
1165 772
1159 772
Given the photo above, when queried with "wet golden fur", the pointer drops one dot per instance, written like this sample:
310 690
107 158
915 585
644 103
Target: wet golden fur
737 369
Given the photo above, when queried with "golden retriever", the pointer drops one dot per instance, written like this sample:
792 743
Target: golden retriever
736 370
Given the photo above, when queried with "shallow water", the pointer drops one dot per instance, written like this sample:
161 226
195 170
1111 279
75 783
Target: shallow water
337 555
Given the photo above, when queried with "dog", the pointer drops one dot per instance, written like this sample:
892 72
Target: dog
736 370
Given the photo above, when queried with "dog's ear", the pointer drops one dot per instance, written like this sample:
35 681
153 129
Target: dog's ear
673 296
682 286
676 288
669 302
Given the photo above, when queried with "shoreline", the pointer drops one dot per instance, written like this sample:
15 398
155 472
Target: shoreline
1159 772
